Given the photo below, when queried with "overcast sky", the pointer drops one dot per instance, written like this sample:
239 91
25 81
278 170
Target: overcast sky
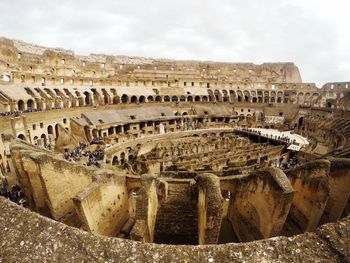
314 34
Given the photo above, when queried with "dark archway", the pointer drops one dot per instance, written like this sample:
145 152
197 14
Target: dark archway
87 100
301 122
22 137
30 105
158 99
125 98
115 160
142 99
21 105
43 137
50 129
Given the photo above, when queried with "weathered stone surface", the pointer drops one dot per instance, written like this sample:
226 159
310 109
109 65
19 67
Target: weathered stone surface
29 237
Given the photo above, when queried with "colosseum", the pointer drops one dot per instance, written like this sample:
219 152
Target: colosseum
128 159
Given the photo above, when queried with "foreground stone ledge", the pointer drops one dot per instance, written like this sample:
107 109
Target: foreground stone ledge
29 237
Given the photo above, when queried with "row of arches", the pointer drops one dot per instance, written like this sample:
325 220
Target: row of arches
55 98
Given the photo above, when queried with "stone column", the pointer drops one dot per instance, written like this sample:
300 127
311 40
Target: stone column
146 209
209 208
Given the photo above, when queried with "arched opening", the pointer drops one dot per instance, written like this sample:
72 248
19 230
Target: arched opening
190 98
239 98
125 98
115 160
22 137
205 99
301 122
122 158
174 99
166 99
158 99
43 137
106 99
87 98
20 105
218 96
133 99
116 99
30 105
50 129
56 130
150 99
197 98
142 99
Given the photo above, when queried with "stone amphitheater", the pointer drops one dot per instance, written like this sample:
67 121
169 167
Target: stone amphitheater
127 159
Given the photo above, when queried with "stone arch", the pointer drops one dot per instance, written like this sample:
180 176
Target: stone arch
87 99
174 99
166 99
50 129
125 98
150 99
43 137
133 99
158 99
116 99
30 105
21 137
217 95
20 105
225 96
115 161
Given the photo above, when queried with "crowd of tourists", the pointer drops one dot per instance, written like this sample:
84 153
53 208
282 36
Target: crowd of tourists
11 113
93 157
17 113
271 136
14 193
292 163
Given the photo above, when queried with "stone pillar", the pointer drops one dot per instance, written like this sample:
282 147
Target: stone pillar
339 190
310 182
209 208
259 203
146 209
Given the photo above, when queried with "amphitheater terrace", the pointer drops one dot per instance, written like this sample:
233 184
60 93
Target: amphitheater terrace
127 159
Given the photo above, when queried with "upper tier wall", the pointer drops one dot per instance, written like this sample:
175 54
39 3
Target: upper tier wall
17 57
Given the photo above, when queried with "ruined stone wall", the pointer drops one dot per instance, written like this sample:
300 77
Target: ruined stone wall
29 237
259 203
103 206
310 182
50 182
177 217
